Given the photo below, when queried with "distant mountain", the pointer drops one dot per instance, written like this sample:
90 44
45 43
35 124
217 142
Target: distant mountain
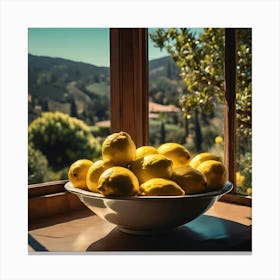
83 90
60 67
165 67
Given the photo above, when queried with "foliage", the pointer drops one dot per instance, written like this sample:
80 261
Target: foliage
62 139
39 170
37 166
173 133
201 62
209 134
61 174
245 168
100 131
164 90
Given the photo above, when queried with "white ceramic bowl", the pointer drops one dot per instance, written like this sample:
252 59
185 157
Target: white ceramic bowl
148 214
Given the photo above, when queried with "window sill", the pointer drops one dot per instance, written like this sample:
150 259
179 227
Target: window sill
51 199
224 227
59 222
237 199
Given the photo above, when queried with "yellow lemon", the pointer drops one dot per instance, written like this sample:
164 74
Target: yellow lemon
119 148
118 181
145 150
219 140
249 191
215 172
189 179
152 166
94 173
78 171
179 155
239 178
160 186
199 158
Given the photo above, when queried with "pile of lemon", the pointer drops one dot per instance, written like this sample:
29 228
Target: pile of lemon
125 170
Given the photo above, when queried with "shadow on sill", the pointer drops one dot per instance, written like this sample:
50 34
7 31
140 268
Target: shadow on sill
205 234
35 245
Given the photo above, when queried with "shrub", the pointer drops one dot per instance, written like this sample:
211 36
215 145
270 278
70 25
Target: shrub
62 139
100 131
37 166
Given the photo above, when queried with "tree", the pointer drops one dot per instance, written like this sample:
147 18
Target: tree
37 166
162 132
62 139
201 62
198 138
45 105
73 107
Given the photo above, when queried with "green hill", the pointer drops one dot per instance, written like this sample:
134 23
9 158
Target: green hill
83 90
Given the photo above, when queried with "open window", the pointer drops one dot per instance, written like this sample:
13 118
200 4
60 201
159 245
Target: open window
129 104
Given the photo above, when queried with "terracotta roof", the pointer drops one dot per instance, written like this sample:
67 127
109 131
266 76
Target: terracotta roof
156 108
153 115
106 123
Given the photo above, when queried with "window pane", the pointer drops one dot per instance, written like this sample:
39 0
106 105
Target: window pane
244 111
189 75
199 129
68 98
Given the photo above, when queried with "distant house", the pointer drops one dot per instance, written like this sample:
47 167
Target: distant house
154 110
159 108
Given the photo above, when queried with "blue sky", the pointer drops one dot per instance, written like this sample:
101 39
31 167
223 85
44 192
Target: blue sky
90 45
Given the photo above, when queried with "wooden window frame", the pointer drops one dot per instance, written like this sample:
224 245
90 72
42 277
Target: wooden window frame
129 82
129 112
230 104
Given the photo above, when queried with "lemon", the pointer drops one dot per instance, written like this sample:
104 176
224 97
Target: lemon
160 186
119 148
239 178
249 191
94 173
199 158
118 181
145 150
219 140
215 172
78 171
189 179
179 155
152 166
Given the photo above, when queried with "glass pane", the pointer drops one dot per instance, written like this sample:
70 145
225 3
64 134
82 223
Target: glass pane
244 111
186 90
68 98
179 111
